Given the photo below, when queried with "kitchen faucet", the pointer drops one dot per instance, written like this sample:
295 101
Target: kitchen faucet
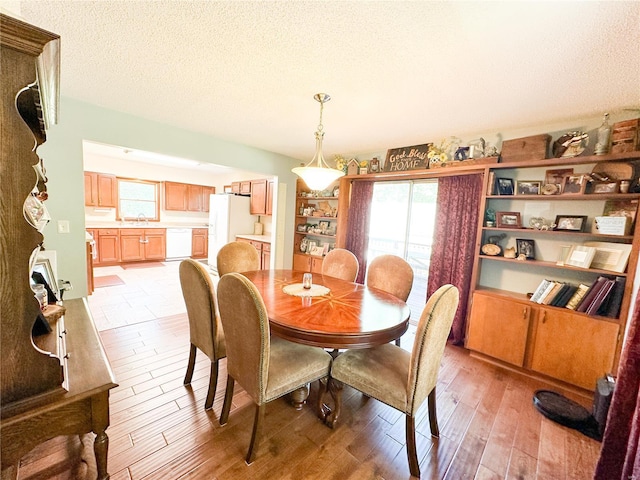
142 219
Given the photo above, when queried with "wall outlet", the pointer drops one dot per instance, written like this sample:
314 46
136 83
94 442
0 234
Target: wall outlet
63 226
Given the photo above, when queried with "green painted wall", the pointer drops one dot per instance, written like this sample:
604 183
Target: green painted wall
62 154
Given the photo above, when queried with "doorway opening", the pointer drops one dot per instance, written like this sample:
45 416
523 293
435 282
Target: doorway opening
402 223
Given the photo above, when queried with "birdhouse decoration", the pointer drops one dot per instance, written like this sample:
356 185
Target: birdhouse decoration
352 167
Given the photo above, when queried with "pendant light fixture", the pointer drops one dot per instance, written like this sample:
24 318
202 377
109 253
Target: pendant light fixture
317 174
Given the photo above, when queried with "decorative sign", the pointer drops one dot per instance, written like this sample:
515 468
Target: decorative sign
407 158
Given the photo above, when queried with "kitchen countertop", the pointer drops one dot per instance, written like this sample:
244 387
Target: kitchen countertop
142 225
256 238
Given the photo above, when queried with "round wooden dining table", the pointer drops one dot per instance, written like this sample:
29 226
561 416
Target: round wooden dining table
349 315
342 315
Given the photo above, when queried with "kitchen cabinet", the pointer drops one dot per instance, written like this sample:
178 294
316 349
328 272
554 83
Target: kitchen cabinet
307 263
100 190
245 187
199 242
258 197
264 251
108 245
235 188
269 210
185 197
137 244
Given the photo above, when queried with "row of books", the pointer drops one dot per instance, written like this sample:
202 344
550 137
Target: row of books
603 297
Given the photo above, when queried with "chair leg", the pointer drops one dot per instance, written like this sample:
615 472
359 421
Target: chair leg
412 455
191 365
228 396
257 423
213 382
433 419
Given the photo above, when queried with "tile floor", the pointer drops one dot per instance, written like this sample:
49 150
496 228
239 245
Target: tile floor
147 294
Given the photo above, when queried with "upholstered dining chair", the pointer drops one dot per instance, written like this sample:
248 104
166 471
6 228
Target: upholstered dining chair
401 379
341 263
266 366
391 274
237 257
205 329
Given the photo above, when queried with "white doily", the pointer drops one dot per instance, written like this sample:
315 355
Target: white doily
297 290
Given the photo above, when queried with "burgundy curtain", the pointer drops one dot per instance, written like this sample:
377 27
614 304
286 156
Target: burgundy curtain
620 455
358 225
453 250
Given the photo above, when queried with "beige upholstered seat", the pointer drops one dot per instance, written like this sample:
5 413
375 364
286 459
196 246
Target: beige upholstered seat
340 263
205 329
391 274
237 257
401 379
266 367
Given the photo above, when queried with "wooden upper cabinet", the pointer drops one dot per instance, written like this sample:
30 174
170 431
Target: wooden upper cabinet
100 190
258 197
235 188
185 197
175 196
269 209
245 187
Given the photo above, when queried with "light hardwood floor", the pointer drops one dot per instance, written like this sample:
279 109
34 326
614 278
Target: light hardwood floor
159 429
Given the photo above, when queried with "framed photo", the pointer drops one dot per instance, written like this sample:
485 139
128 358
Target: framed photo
556 176
605 187
574 184
525 247
42 271
610 256
528 187
571 223
316 250
504 186
508 220
580 256
324 226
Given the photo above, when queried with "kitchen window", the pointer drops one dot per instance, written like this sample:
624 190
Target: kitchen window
138 200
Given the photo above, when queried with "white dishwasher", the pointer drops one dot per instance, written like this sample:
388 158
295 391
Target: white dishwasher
178 243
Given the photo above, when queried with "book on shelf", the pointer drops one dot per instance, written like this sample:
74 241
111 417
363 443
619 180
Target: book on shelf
491 180
578 295
611 306
594 289
541 288
563 299
602 294
561 291
552 293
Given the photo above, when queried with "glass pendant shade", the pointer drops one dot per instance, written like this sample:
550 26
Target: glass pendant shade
317 174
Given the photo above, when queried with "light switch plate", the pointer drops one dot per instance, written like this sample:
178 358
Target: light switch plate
63 226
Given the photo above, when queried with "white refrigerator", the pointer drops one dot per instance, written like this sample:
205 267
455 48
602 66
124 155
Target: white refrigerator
228 216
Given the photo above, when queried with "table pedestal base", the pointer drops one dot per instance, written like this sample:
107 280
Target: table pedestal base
327 413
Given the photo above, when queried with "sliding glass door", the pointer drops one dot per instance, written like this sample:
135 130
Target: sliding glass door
402 224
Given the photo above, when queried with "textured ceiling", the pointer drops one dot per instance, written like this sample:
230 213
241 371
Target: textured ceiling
399 73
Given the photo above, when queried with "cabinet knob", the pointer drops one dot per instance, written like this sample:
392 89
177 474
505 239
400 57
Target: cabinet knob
544 316
525 312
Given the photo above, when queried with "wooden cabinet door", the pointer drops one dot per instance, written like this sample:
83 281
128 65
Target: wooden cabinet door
316 264
108 243
206 194
573 347
245 187
235 187
175 196
90 189
266 256
194 198
499 327
155 245
107 190
199 242
131 245
269 208
301 262
258 197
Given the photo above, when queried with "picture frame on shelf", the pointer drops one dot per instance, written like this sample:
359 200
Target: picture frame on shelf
555 176
504 186
574 184
610 256
571 223
508 220
42 267
323 225
580 256
317 250
525 247
528 187
605 187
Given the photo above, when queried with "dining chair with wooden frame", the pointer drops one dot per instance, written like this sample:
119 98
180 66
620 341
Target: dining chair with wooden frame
341 263
401 379
391 274
237 257
205 329
267 367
